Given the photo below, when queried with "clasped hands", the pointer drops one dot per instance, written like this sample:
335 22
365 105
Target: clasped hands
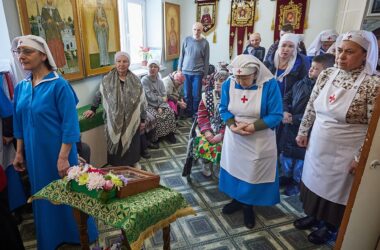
243 128
211 138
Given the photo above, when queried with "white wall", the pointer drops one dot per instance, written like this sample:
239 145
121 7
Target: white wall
266 8
349 15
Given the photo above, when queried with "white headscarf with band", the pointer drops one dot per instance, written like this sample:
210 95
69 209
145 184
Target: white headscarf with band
324 36
289 37
247 65
37 43
367 40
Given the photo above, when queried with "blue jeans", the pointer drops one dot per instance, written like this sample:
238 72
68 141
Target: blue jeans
192 90
291 167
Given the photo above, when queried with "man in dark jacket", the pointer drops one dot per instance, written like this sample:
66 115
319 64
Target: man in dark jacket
294 103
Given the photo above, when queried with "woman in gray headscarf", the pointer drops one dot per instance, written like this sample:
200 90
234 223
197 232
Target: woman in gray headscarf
124 104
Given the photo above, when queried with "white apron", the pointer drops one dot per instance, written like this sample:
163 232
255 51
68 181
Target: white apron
333 143
251 158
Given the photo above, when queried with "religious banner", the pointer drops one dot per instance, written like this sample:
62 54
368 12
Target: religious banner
242 21
206 14
290 12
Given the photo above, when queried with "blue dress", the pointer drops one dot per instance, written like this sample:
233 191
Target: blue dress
264 194
45 117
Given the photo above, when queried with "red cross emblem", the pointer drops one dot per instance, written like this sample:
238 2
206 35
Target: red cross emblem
329 38
239 71
332 98
244 99
349 37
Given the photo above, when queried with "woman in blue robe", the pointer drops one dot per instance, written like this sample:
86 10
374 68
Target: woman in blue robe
251 106
46 128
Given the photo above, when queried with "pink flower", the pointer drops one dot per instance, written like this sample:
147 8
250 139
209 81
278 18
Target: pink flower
108 185
95 181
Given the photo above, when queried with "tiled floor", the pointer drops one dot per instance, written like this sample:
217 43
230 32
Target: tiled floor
209 229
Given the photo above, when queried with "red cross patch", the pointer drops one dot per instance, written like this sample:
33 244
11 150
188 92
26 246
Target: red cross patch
244 99
239 71
332 98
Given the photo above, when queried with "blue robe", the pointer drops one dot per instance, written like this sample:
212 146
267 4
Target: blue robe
265 194
45 117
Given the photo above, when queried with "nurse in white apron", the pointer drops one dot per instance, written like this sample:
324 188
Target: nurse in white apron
339 110
251 106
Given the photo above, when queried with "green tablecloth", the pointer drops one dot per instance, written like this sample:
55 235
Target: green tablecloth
139 215
87 124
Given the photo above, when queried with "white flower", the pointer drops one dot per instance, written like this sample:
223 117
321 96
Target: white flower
74 172
95 181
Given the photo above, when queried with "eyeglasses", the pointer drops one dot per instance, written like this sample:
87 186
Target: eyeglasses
26 52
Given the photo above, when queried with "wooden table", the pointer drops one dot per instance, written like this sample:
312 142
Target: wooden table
81 219
138 216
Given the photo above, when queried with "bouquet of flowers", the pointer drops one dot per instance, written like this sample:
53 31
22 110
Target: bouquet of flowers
146 55
94 182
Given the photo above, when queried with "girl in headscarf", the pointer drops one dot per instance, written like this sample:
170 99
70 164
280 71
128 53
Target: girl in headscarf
208 146
339 110
251 106
123 100
46 128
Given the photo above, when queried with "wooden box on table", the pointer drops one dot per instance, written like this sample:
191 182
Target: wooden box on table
138 180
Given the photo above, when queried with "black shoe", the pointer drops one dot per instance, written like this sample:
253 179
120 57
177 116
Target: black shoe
232 207
171 138
153 145
320 236
249 216
145 154
305 223
285 180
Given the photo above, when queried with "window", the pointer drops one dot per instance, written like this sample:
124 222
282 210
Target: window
132 27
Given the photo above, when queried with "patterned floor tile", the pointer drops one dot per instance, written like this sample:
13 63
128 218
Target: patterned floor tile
164 166
175 181
176 239
258 240
178 150
294 204
158 153
194 200
293 238
213 196
273 215
234 223
201 228
219 245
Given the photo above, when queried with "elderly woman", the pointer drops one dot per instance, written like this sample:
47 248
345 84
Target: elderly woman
46 127
339 110
251 106
174 88
208 145
124 105
322 43
158 104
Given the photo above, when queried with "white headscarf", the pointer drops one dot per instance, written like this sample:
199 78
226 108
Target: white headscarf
367 40
316 45
37 43
288 37
248 64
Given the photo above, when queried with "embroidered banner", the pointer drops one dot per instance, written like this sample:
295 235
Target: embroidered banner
206 14
290 12
242 21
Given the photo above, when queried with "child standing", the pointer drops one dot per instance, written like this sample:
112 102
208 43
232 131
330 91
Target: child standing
294 103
